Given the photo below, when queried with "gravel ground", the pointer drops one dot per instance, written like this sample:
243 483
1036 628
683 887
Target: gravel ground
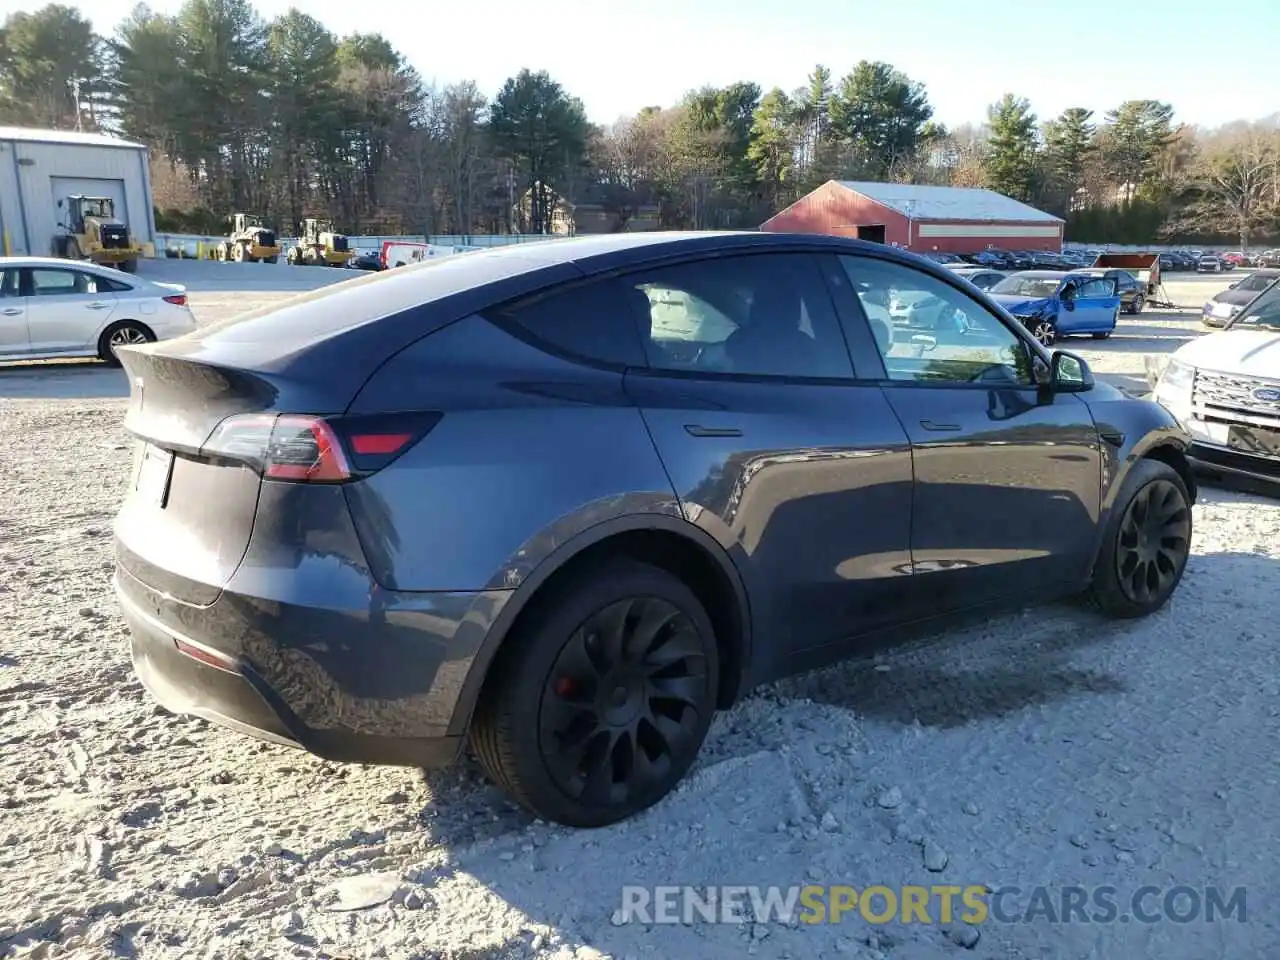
1044 748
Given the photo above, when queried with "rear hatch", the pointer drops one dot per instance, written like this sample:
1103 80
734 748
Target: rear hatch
262 395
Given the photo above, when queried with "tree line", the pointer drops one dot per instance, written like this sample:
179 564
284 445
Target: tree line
285 119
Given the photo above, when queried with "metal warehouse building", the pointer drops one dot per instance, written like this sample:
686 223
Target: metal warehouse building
40 167
923 219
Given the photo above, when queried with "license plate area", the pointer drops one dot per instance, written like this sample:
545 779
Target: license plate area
1254 440
155 472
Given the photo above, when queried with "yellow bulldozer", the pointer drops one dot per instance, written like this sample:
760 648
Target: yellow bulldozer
94 233
320 246
251 240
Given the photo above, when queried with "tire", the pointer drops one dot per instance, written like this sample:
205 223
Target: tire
1118 588
238 253
73 249
124 332
1101 336
552 662
1046 331
293 257
129 266
1135 308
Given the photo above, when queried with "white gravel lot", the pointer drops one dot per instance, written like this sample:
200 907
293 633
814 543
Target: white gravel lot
1043 748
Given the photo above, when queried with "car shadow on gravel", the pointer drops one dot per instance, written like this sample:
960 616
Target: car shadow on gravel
947 698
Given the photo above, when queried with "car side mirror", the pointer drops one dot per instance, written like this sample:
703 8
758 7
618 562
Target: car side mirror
1068 373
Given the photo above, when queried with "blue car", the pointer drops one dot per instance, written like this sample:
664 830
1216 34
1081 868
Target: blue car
1053 304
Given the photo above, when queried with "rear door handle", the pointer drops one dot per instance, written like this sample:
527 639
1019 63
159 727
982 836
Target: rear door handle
697 430
12 312
98 305
935 425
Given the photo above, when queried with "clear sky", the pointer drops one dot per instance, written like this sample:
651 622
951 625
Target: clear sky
1214 62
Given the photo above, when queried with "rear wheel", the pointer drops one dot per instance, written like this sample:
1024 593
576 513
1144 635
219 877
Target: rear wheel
124 333
293 257
1146 543
1137 305
603 699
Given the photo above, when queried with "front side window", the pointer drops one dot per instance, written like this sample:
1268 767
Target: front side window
54 283
928 331
751 315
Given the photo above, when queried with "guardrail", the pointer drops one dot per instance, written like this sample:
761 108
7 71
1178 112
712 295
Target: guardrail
196 246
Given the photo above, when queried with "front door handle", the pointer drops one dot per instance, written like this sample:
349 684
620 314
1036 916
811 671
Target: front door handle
12 312
697 430
935 425
98 305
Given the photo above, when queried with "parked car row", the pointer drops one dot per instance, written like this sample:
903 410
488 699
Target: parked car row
1018 259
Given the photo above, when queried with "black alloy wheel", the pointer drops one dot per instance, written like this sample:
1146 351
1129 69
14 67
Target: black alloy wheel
1154 541
1146 544
623 702
601 696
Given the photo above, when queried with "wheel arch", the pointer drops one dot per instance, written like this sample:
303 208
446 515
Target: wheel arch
115 325
670 543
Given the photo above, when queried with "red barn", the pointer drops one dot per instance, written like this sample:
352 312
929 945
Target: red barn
923 219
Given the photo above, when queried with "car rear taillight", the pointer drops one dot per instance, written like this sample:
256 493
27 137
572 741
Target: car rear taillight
177 299
307 449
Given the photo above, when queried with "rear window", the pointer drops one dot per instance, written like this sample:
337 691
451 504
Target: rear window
590 321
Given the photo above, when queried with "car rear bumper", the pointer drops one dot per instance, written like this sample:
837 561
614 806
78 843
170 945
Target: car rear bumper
374 686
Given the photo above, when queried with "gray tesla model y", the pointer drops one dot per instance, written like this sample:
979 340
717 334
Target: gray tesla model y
561 501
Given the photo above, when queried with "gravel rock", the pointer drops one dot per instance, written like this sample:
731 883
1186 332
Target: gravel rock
965 935
935 858
890 799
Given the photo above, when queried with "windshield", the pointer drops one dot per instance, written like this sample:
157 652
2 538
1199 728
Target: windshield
1262 313
1037 287
1255 282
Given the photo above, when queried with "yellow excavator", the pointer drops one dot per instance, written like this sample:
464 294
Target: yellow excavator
251 240
94 233
320 246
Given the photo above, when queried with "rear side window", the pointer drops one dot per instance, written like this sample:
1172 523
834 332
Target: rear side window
756 315
106 285
588 322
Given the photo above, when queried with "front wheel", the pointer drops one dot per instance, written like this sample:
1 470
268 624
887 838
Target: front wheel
1146 543
126 333
598 706
1046 331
